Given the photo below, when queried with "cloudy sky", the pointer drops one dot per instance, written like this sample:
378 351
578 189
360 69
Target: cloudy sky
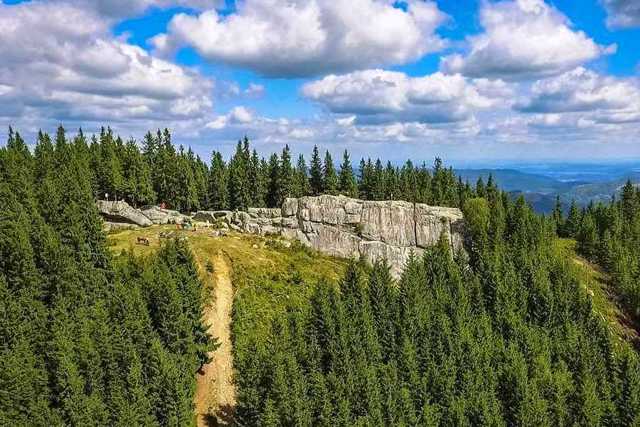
467 80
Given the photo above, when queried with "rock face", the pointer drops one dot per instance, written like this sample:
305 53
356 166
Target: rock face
346 227
121 212
335 225
157 215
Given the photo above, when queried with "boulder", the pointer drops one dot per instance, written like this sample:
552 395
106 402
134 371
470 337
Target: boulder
239 218
110 227
298 235
290 207
332 240
157 215
213 216
289 222
121 212
264 212
269 230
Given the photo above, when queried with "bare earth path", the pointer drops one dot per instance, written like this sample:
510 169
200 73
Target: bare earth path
215 396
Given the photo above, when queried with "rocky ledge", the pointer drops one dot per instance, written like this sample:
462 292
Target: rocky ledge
119 215
346 227
335 225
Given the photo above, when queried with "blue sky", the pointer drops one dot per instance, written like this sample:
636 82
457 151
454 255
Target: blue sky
471 81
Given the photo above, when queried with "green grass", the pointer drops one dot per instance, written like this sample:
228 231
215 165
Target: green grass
597 284
268 277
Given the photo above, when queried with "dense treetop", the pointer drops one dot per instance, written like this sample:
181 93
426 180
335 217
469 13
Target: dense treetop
87 339
609 234
155 172
502 335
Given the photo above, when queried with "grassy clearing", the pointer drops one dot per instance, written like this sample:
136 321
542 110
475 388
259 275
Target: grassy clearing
269 278
597 284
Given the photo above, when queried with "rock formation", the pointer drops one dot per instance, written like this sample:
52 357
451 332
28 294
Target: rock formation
335 225
346 227
121 212
158 215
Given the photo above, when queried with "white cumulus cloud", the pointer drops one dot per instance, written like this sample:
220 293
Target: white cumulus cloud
607 99
309 37
523 39
123 8
60 62
237 116
623 13
378 96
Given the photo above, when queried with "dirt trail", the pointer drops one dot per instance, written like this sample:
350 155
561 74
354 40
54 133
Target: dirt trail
215 396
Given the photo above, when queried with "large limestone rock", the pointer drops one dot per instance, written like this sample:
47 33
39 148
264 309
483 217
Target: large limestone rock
389 222
265 212
121 212
396 256
157 215
332 240
346 227
433 221
112 227
213 216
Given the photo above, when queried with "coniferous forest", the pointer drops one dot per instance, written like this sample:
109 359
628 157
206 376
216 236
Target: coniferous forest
502 333
609 235
503 336
155 172
86 338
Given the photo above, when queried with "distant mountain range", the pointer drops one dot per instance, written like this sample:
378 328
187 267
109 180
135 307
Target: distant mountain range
540 190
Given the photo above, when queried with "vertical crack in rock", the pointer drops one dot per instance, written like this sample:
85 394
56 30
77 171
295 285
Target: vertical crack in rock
451 235
415 224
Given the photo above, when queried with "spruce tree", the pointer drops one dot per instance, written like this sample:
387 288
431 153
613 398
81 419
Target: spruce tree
137 176
217 183
239 193
367 180
273 180
301 186
572 224
379 181
347 180
329 177
557 216
257 181
285 178
316 178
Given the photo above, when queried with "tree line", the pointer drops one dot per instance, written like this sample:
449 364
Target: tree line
501 335
88 338
155 172
609 235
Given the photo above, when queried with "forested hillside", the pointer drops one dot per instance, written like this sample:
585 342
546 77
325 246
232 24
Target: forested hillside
87 339
505 336
504 333
609 234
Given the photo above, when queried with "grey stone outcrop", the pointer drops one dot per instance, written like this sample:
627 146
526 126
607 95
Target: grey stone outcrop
121 212
158 215
335 225
346 227
110 227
